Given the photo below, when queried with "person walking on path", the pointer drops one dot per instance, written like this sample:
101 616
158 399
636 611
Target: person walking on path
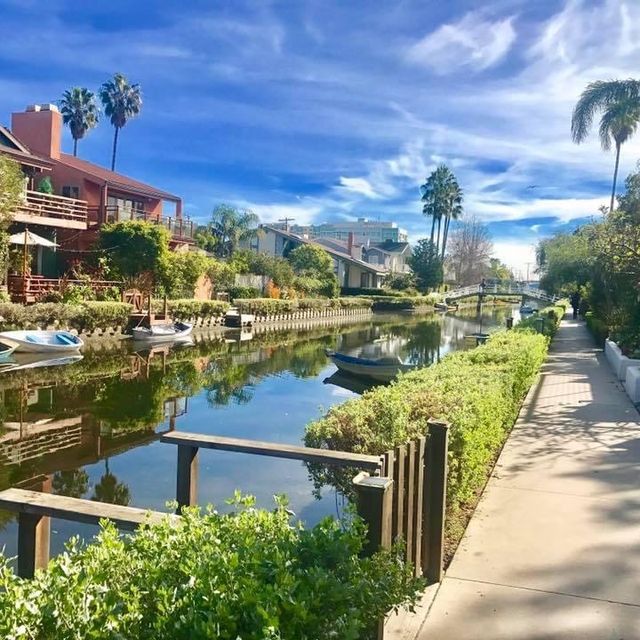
575 304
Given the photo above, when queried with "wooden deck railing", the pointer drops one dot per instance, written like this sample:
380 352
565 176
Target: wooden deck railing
179 228
33 287
46 205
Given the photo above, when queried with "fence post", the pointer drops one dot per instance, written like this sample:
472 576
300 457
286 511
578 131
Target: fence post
434 500
187 476
33 543
374 501
374 497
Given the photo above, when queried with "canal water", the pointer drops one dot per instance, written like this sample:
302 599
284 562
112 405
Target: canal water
91 429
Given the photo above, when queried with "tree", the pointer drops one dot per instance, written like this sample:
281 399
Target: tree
206 239
135 250
499 270
121 101
619 103
442 199
180 272
12 188
79 112
470 252
565 261
426 264
315 271
73 483
230 226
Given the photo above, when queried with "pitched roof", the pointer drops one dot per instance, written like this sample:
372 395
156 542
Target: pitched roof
390 247
113 179
335 253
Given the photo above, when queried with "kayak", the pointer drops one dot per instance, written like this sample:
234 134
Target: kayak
384 369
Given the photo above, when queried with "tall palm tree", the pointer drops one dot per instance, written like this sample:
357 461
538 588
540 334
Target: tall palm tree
230 226
619 103
442 200
80 112
122 101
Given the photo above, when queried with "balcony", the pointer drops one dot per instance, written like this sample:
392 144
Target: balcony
33 288
53 211
181 229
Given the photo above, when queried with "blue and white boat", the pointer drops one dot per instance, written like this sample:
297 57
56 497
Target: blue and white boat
29 341
383 369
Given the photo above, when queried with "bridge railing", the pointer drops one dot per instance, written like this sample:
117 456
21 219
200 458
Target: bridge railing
499 289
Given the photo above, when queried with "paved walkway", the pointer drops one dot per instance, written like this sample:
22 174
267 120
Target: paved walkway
553 550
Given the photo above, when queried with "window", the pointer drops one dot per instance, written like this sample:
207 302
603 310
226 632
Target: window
71 192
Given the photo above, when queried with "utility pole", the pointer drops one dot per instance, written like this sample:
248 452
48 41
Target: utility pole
286 222
528 265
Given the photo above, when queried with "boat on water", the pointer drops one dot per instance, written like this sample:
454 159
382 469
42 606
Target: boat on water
526 309
175 331
443 306
6 350
38 360
383 369
478 337
29 341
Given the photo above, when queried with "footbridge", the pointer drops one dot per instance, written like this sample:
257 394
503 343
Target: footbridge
499 288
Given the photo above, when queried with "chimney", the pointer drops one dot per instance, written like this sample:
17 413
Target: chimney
39 126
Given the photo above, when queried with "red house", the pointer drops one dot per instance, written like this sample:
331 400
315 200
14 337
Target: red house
85 195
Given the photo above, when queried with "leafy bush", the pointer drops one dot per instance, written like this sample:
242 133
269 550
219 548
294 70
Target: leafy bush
597 326
278 269
85 316
400 282
189 309
250 575
310 286
243 292
478 392
272 306
547 319
314 270
180 271
390 303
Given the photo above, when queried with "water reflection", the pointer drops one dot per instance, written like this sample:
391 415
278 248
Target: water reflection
91 429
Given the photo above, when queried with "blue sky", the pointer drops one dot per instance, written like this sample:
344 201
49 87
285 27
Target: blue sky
321 110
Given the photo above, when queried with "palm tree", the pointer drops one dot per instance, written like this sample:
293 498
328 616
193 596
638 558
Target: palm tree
80 112
122 101
230 226
442 199
619 103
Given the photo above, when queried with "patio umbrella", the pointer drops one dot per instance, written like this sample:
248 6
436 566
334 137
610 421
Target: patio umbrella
29 239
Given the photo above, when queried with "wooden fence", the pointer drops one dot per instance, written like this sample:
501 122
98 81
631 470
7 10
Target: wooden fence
400 496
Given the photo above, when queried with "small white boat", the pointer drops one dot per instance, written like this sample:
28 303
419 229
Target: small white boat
36 361
28 341
163 332
6 350
383 369
526 309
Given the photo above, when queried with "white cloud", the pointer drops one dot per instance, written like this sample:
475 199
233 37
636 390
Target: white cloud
358 185
301 214
471 42
519 255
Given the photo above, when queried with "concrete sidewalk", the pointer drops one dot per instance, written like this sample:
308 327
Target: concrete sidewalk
553 550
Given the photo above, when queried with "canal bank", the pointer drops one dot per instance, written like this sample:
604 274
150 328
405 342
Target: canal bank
92 428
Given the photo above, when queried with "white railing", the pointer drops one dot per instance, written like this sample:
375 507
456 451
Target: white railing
507 288
47 205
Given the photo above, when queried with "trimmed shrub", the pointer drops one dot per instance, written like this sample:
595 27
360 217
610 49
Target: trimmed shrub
391 303
364 291
478 392
271 306
243 292
85 316
598 328
251 575
189 309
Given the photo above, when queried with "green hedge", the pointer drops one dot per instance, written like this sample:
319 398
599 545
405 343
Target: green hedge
363 291
252 575
547 319
478 391
189 309
85 316
598 328
391 303
272 306
243 292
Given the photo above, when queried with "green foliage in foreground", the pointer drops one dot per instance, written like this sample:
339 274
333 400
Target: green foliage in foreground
273 306
478 392
251 575
85 316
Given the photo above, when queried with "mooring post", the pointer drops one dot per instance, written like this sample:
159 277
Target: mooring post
33 543
434 500
187 476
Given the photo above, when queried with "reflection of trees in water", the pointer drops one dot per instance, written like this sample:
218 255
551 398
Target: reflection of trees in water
110 489
73 483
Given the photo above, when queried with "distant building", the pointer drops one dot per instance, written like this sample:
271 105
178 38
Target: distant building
363 231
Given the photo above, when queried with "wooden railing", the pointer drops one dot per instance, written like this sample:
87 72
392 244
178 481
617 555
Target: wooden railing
45 205
400 496
179 228
31 288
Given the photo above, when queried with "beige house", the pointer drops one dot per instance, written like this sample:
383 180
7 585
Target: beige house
352 271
